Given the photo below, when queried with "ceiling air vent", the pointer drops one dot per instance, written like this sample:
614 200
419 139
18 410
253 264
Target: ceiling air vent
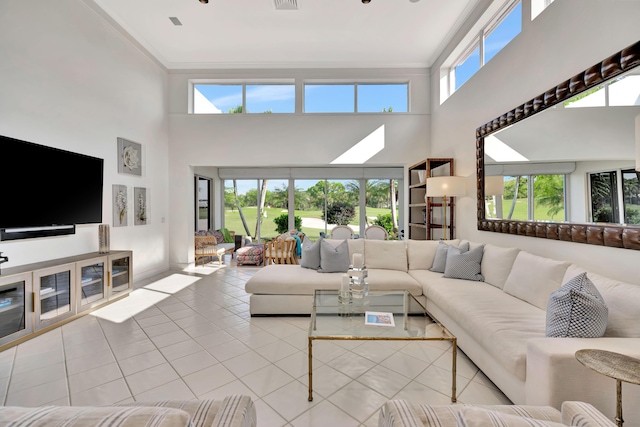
286 4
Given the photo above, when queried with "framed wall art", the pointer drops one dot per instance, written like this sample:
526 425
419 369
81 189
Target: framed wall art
140 208
120 205
129 157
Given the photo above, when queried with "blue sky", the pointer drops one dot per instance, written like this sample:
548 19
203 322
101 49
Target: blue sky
493 43
335 98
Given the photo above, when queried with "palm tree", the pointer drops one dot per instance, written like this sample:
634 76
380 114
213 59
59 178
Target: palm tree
244 221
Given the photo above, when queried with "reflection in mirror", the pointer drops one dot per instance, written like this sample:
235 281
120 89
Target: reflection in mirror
573 162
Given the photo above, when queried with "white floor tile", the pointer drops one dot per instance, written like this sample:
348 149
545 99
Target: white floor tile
94 377
105 394
290 400
201 342
325 414
193 362
266 380
140 362
358 400
151 378
208 379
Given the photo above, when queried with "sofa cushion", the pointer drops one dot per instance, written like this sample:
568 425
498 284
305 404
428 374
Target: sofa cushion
440 259
420 253
386 254
471 416
576 310
464 265
497 263
311 254
500 323
90 416
356 246
446 415
288 279
623 300
533 278
334 259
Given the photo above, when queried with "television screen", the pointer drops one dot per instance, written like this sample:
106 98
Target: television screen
42 186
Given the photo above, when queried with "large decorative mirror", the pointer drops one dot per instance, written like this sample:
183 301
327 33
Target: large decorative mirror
562 165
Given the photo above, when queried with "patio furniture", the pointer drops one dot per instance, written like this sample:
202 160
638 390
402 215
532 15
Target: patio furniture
342 232
375 232
280 252
252 254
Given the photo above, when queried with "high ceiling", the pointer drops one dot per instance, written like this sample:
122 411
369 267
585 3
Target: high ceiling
319 34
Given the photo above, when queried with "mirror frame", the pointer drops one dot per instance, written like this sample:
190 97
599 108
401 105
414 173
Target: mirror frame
611 235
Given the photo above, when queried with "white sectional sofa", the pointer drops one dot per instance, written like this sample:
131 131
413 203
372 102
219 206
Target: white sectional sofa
500 323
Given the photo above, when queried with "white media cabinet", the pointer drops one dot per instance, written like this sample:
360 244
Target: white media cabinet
38 297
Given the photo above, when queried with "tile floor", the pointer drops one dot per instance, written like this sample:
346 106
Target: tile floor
188 334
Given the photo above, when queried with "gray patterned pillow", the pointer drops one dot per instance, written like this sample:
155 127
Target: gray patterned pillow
577 310
464 265
440 259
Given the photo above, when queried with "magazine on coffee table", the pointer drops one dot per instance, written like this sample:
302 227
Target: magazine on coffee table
378 318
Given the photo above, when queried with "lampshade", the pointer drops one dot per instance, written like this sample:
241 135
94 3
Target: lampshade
440 186
638 142
493 185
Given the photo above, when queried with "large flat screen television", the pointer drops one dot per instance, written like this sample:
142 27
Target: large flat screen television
45 188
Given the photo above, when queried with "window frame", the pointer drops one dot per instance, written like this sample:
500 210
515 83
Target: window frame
478 39
355 84
243 83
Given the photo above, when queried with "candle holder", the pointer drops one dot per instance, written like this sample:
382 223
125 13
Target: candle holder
358 287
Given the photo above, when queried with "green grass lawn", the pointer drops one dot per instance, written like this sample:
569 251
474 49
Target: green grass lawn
268 228
520 211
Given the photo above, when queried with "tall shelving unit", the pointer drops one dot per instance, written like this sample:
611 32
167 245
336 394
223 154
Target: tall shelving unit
417 202
434 228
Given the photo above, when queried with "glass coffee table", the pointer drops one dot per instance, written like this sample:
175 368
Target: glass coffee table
331 320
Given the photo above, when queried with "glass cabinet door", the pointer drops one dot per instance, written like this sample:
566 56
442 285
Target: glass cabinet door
15 307
92 289
121 280
55 299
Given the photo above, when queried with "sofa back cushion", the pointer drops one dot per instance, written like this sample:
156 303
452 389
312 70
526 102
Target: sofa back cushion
420 253
622 299
533 278
386 254
497 263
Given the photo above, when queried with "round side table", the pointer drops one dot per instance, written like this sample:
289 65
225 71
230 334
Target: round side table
613 365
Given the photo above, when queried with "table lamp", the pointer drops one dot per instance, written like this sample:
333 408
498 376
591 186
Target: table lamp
494 186
445 187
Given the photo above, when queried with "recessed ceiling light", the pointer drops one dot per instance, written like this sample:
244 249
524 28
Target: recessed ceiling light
204 1
414 1
286 4
175 20
366 1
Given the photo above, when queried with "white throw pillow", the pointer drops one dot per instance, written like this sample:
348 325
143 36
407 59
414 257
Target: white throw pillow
576 310
533 278
497 263
420 253
386 254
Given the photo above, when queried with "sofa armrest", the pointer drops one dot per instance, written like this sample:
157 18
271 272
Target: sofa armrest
236 411
583 414
398 413
554 375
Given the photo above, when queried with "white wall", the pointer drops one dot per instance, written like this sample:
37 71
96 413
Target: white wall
565 39
247 140
69 80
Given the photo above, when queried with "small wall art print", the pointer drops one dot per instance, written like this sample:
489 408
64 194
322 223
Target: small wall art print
140 206
120 205
129 157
